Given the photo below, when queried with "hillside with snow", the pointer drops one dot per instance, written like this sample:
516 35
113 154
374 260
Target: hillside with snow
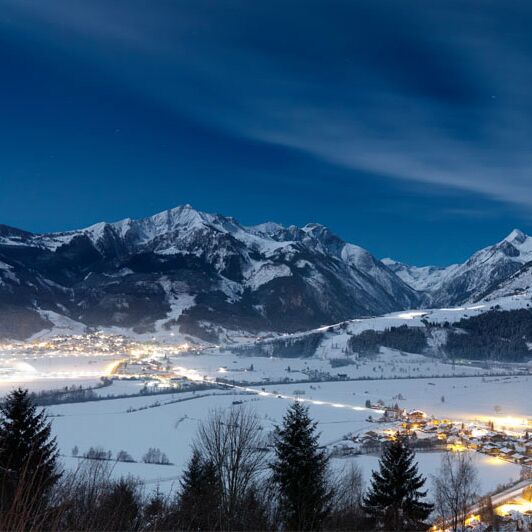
188 274
491 272
499 331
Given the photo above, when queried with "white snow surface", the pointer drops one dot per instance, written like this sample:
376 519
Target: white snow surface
172 426
421 278
264 272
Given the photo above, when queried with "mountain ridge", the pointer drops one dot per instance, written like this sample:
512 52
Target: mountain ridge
472 279
265 277
194 274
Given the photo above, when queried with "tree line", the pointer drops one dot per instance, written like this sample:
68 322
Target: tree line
304 345
493 335
237 478
402 338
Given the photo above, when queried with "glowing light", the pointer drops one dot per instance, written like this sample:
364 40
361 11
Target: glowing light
190 374
472 520
411 315
495 461
511 422
24 367
456 447
515 506
112 367
390 434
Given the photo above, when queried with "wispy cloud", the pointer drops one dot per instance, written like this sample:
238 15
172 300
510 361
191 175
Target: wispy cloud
416 91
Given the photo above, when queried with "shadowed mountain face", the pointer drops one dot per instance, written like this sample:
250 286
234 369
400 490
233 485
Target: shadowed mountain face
192 272
495 271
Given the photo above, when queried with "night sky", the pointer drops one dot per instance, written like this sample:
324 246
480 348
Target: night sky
405 126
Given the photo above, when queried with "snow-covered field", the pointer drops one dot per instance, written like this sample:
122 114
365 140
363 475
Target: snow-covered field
492 472
138 423
388 364
52 370
464 398
169 421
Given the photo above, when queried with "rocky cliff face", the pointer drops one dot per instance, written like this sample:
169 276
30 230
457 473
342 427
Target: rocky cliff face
494 268
189 272
186 272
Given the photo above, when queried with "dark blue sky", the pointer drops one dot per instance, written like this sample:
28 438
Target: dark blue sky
405 126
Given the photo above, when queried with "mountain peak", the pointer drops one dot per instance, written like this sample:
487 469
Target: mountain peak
182 214
266 228
388 261
195 272
516 236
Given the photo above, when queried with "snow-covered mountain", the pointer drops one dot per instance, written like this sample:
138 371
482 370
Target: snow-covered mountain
494 271
190 272
518 285
422 278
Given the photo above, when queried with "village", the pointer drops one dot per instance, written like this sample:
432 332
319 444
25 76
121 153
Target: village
511 506
428 433
506 439
94 344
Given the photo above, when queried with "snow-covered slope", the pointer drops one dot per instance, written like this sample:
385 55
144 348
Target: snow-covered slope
191 272
421 278
518 285
332 340
483 272
420 332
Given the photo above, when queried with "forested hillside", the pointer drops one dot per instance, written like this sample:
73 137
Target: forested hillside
404 338
288 347
494 335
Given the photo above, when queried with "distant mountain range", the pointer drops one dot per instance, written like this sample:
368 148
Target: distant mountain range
496 271
186 273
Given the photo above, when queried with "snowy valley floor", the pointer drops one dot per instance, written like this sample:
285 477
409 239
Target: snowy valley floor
138 423
465 392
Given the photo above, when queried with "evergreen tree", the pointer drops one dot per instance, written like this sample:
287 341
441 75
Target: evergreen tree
394 498
300 472
28 453
120 506
155 511
199 497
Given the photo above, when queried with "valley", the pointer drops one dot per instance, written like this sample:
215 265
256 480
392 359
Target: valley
154 394
131 334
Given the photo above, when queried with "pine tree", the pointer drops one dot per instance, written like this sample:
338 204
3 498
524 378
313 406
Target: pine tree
120 506
199 497
155 511
394 498
28 453
300 472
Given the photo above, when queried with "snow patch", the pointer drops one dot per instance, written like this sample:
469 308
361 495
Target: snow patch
267 272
